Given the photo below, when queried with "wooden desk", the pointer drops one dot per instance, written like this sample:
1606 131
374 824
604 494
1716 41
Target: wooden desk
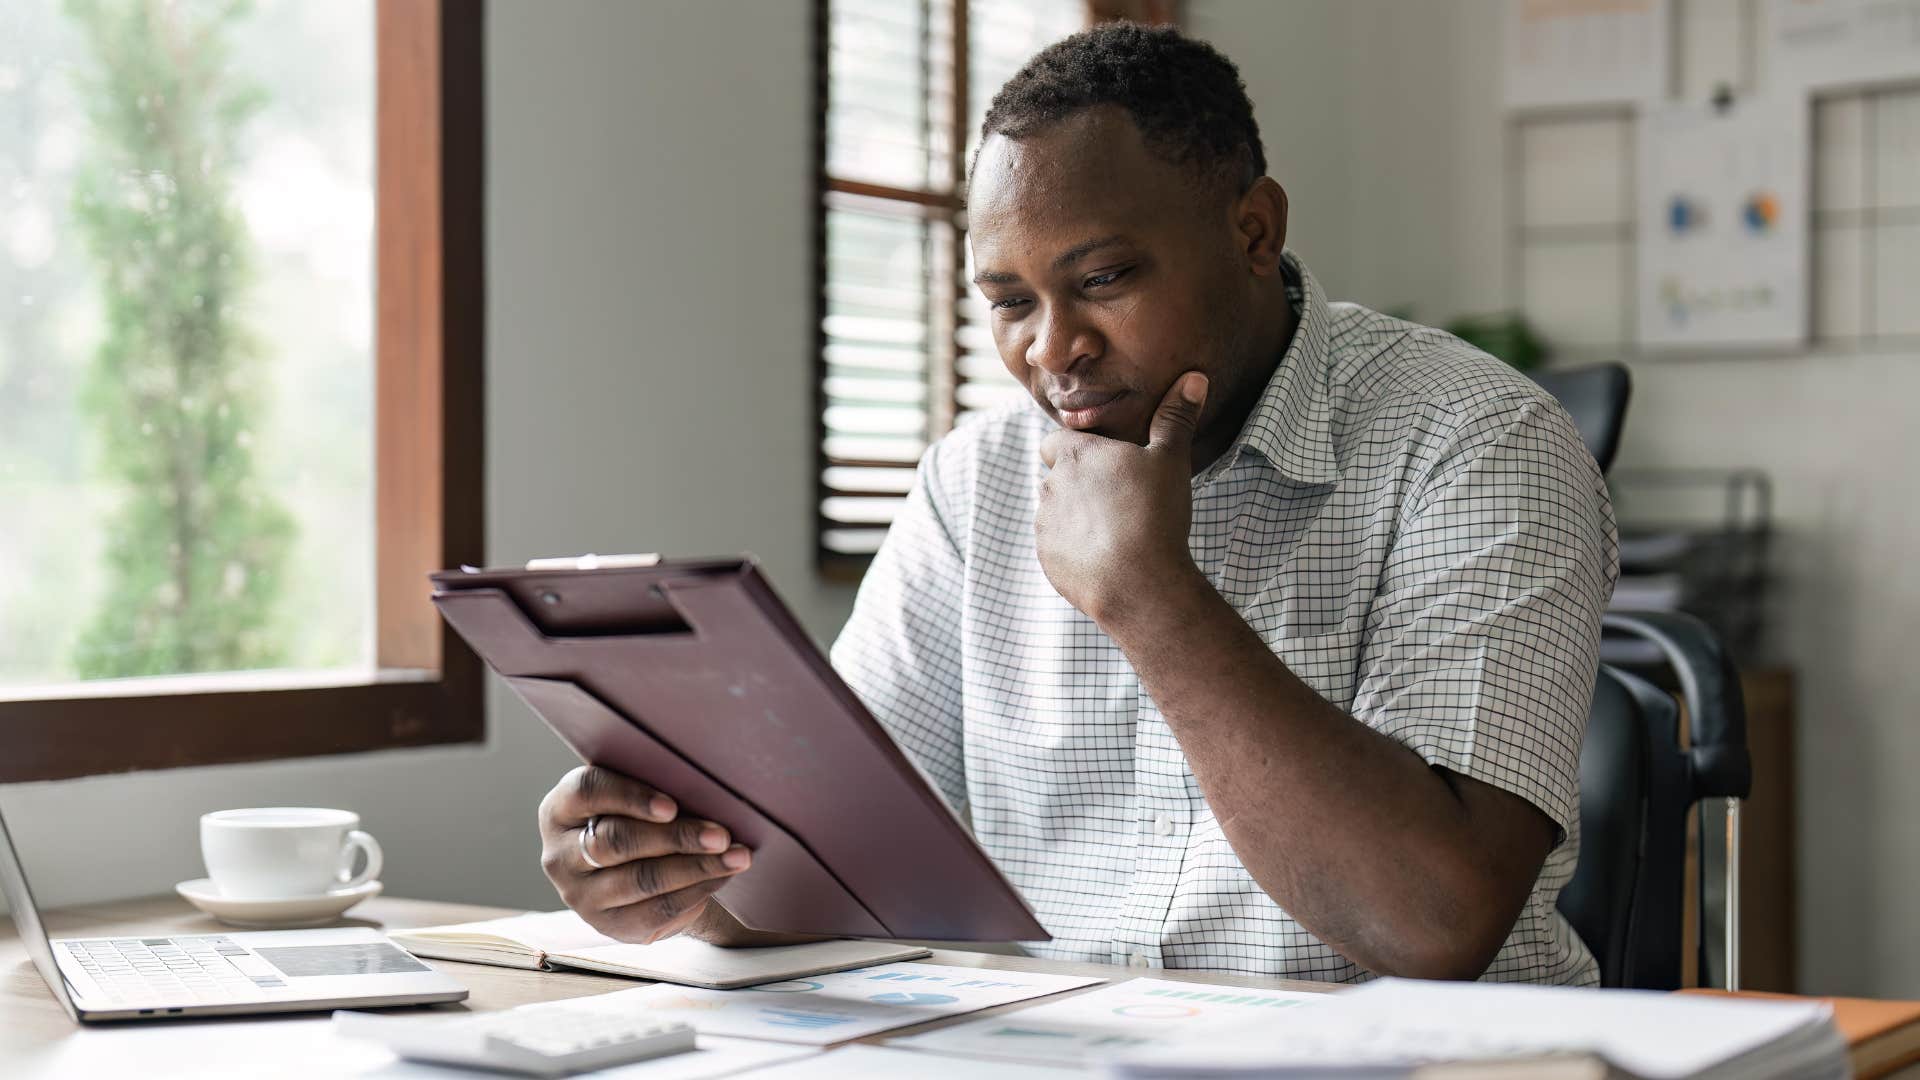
37 1038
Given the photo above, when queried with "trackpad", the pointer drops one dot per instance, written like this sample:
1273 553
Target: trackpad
366 958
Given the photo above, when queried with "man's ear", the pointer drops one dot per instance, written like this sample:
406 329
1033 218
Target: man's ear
1260 219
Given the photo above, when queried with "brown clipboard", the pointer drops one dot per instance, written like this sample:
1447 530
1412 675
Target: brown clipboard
693 677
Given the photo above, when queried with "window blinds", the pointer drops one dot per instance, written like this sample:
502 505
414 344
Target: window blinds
904 342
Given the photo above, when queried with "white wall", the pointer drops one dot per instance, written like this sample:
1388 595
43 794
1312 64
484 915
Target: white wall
649 371
1406 97
1301 99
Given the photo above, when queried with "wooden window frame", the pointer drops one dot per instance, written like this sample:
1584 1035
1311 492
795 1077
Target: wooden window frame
950 205
429 435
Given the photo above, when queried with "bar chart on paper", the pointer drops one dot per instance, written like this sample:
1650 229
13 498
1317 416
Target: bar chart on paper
833 1008
1130 1016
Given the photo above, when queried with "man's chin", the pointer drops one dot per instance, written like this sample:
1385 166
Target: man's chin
1135 430
1121 432
1123 427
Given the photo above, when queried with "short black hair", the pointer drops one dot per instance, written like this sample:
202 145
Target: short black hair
1186 98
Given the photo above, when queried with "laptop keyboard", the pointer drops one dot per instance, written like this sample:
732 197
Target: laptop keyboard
186 970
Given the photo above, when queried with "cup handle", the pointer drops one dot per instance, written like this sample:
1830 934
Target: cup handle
357 840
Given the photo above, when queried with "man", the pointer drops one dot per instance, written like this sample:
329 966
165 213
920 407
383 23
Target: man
1264 642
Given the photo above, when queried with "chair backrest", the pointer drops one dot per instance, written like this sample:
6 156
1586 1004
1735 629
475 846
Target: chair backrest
1613 824
1627 896
1658 922
1596 397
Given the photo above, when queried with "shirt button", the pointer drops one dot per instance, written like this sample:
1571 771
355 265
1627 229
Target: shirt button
1137 960
1163 825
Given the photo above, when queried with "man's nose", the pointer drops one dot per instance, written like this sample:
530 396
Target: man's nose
1061 342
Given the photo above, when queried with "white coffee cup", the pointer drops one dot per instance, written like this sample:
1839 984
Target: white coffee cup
276 852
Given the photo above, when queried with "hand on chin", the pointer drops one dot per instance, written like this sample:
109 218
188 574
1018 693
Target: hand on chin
1114 511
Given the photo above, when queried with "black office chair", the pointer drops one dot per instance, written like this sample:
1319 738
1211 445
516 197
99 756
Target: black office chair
1627 896
1596 397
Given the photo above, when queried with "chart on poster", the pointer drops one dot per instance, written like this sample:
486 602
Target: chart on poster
1722 259
1129 1016
846 1005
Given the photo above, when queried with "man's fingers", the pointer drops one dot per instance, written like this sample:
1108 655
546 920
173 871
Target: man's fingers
590 790
1179 414
1050 447
656 917
617 839
646 878
1060 443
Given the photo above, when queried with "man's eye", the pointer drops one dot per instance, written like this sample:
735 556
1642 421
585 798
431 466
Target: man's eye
1108 278
1007 304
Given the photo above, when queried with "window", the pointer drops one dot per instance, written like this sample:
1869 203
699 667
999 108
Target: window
1866 217
904 349
1574 233
236 460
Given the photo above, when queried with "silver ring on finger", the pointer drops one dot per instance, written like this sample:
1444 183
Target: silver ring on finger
586 837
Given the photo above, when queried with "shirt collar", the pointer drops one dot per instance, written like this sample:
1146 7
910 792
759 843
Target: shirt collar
1291 425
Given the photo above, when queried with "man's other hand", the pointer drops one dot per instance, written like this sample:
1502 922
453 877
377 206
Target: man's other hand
1113 517
657 868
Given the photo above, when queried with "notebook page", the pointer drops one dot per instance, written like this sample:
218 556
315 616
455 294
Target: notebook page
541 931
689 960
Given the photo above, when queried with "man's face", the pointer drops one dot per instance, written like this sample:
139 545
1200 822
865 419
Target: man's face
1110 273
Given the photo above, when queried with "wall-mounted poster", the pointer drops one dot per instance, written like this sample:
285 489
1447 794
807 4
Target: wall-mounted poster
1585 52
1723 224
1825 43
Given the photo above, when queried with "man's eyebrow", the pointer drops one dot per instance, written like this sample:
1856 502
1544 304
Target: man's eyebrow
1080 251
1065 259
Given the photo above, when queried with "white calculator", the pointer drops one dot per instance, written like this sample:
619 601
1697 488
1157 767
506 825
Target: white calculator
549 1039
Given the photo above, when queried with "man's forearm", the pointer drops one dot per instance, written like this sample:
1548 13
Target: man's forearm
1375 852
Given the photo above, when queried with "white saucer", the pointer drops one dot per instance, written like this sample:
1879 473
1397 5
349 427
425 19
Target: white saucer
290 912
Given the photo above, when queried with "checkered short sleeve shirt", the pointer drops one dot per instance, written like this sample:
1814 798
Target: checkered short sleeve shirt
1416 530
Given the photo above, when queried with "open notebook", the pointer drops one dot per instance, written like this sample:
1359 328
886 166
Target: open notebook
561 939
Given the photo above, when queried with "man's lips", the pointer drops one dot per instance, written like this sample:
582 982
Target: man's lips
1083 409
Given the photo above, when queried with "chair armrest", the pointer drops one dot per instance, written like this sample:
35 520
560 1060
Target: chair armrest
1716 709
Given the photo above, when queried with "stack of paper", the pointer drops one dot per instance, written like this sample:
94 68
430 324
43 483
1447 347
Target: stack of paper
858 1062
1099 1024
827 1009
1882 1036
1399 1024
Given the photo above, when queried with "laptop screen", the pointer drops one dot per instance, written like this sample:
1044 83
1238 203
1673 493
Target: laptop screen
13 881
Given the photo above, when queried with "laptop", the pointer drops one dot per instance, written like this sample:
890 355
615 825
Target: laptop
151 978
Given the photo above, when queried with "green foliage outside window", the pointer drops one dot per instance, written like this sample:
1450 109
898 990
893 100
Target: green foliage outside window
197 549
